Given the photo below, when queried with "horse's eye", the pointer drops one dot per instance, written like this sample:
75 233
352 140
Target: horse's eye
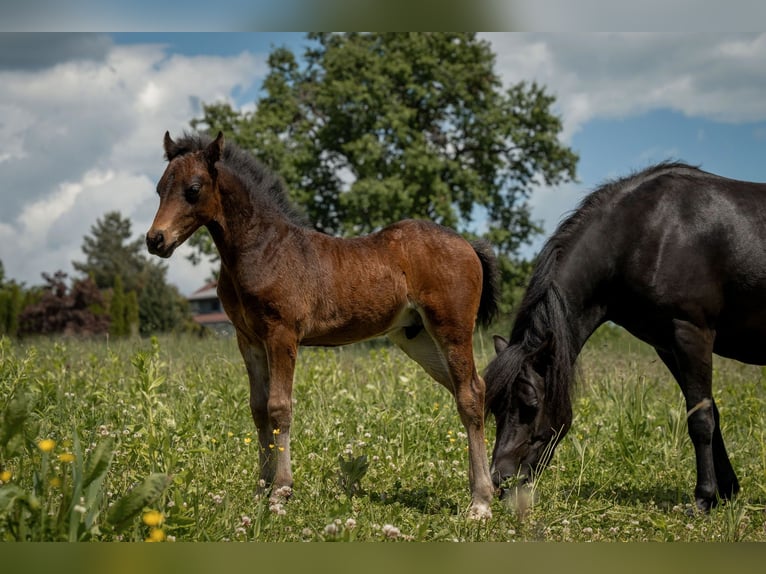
192 193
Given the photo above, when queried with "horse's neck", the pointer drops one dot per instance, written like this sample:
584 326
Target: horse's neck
244 224
582 278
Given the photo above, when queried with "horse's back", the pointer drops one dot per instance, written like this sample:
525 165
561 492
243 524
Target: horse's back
693 246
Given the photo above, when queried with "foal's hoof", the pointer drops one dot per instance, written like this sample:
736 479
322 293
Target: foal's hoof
479 512
280 495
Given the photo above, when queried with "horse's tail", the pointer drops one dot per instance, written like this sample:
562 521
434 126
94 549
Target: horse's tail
490 289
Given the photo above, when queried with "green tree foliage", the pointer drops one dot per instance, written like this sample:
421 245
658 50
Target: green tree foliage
141 300
119 327
372 128
160 306
13 299
110 250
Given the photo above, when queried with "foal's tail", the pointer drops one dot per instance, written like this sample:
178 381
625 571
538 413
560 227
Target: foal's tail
490 289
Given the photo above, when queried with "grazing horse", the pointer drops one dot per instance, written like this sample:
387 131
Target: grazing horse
284 284
677 257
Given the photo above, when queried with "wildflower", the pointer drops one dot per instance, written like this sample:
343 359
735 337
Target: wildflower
276 431
46 445
350 523
152 518
283 492
5 476
80 508
246 521
331 529
55 482
156 535
391 531
277 508
247 440
66 457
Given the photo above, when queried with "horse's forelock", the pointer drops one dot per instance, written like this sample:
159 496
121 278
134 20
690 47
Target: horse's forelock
499 376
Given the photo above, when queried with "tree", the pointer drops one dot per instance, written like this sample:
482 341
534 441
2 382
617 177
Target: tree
63 310
140 296
110 251
160 306
373 128
119 327
13 298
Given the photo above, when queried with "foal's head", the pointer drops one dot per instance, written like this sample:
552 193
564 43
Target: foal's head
188 195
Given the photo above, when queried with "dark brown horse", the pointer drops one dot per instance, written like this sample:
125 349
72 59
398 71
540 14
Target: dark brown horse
676 256
284 285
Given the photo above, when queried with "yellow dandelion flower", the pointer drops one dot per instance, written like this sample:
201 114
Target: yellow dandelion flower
66 457
55 482
229 434
281 449
276 431
152 518
271 446
156 535
247 440
6 476
46 445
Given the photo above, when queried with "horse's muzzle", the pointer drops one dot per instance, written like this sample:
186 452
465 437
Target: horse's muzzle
156 244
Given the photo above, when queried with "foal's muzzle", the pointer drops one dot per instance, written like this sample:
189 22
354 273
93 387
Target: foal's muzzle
156 243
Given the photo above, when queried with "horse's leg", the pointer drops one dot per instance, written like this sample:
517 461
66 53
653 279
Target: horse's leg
258 375
693 350
728 485
452 365
282 351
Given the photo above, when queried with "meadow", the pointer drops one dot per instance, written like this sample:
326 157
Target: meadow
151 439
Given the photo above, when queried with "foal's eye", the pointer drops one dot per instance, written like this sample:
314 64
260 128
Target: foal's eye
192 193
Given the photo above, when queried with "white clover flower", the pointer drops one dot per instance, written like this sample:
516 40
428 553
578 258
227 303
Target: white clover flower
391 531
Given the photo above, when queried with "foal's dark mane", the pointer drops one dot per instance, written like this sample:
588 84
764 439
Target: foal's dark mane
258 179
542 325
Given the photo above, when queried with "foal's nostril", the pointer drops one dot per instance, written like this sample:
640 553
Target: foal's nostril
154 240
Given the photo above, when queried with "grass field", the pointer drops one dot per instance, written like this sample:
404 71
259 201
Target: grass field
152 439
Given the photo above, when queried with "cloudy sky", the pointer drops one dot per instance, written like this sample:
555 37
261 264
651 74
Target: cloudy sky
82 118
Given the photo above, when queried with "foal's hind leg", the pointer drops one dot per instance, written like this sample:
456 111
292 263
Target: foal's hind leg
452 365
726 478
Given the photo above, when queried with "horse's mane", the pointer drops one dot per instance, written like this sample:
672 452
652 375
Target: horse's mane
542 324
260 181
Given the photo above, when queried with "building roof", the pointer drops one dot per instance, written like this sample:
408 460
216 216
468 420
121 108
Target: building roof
206 292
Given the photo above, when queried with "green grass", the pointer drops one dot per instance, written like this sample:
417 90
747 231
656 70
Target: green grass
378 450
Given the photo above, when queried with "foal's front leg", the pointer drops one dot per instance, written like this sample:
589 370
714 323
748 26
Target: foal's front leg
254 355
281 350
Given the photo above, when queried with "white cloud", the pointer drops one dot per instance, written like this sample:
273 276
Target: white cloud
616 75
83 137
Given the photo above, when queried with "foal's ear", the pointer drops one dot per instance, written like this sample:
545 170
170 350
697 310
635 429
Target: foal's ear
500 343
171 148
214 151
